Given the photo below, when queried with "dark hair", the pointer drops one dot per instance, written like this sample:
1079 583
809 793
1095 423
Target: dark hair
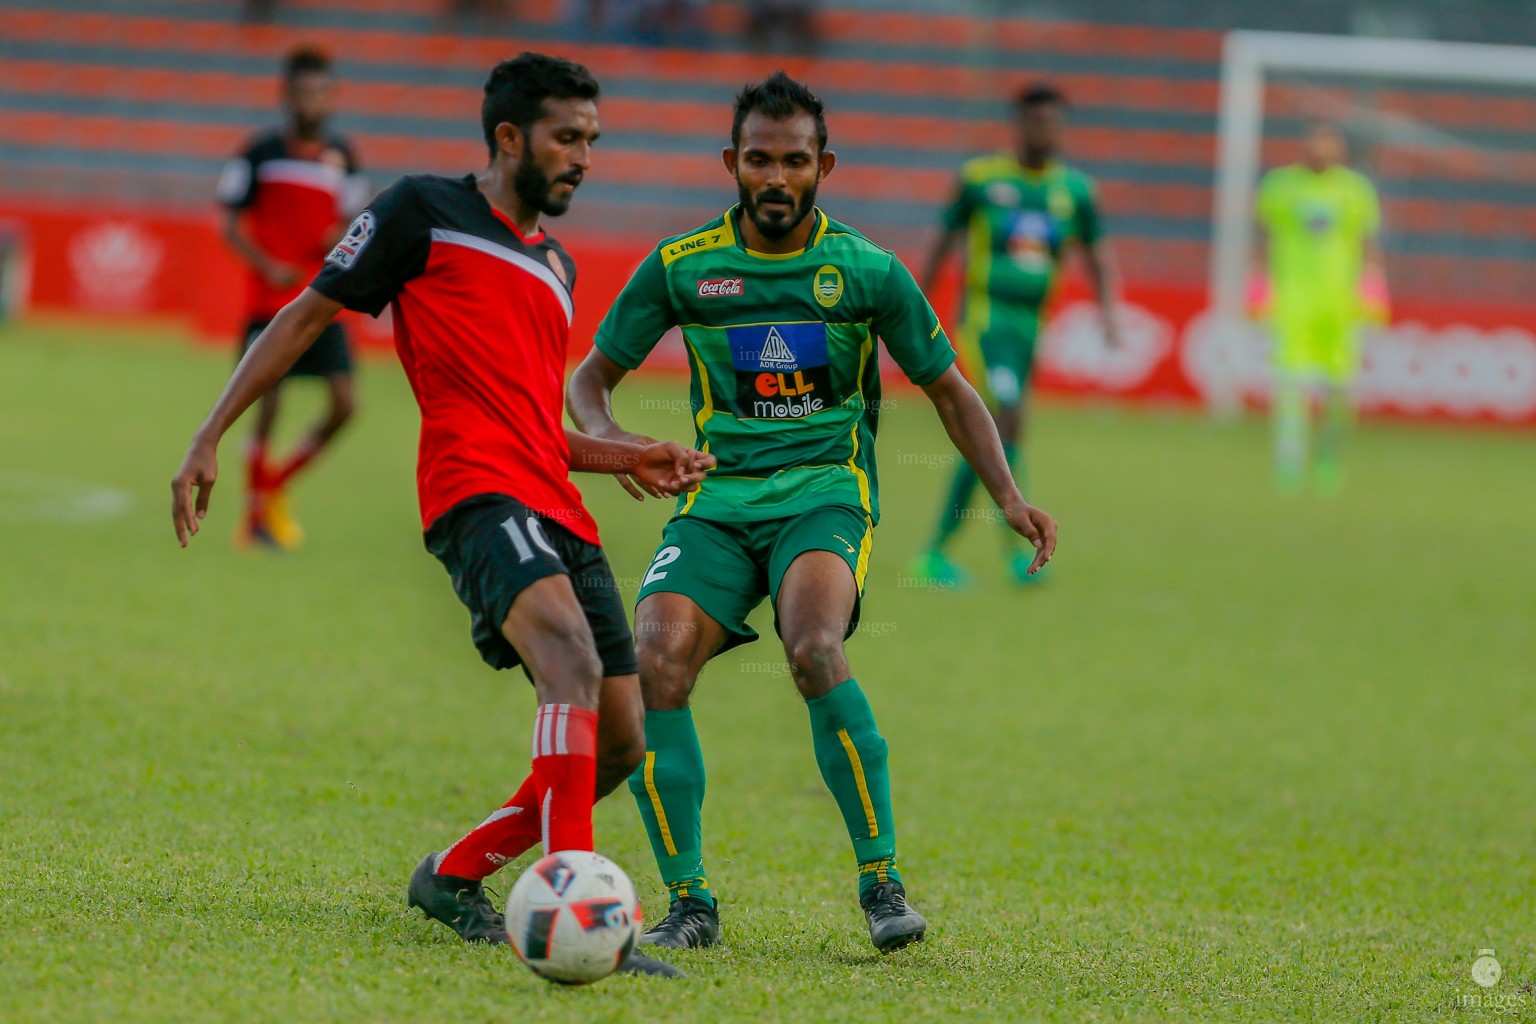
516 91
779 97
1039 94
304 60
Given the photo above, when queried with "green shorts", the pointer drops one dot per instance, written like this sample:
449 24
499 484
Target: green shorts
728 568
1001 352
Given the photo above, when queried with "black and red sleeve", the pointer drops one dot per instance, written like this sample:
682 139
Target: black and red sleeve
236 189
385 247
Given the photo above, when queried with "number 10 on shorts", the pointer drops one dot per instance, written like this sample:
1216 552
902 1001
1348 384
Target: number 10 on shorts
522 531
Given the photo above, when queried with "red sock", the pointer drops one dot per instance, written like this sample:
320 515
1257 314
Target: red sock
553 804
257 477
505 835
302 456
565 774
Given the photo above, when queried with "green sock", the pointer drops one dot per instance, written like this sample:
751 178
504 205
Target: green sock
1292 415
1338 412
961 486
669 789
852 759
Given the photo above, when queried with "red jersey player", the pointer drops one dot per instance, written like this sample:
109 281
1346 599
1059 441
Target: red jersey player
481 302
287 196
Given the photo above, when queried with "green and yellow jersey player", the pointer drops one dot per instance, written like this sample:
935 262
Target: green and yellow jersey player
1018 214
780 307
1324 278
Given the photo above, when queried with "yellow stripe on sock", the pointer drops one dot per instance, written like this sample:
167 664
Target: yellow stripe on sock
661 814
858 777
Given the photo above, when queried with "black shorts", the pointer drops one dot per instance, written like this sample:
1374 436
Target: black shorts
494 547
327 357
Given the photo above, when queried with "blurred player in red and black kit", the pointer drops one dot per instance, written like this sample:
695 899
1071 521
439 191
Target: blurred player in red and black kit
481 302
287 197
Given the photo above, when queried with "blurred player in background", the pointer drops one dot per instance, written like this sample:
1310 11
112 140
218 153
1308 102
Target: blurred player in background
287 197
1017 213
1324 278
482 306
779 308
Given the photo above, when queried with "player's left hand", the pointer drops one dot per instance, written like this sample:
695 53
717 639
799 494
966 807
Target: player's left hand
1036 526
666 469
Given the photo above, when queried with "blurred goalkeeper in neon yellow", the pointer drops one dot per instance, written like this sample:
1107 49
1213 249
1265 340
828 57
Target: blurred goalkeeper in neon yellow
1324 280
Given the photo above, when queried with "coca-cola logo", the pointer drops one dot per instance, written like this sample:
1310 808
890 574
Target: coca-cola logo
720 286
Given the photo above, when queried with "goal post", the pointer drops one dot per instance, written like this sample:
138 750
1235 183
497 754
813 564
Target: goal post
1248 60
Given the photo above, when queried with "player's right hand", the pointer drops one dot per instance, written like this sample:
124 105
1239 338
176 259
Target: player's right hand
625 480
197 473
1036 526
667 469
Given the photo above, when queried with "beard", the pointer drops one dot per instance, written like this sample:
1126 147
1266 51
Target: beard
308 126
775 226
536 189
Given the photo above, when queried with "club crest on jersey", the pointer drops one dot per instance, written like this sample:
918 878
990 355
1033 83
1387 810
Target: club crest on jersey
354 241
781 370
1002 193
1061 204
828 286
721 286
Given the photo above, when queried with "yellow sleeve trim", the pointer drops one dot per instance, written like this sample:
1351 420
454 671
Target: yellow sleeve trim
700 241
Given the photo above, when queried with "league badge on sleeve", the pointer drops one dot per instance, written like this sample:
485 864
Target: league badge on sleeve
354 241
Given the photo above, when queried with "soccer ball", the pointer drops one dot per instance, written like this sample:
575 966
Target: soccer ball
573 917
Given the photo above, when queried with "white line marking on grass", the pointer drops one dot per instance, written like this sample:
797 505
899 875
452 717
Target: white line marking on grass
27 497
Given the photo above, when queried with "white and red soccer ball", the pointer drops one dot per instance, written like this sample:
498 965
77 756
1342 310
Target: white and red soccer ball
573 917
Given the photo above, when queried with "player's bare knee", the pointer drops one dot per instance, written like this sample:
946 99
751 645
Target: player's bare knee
664 675
564 663
816 661
343 408
576 675
619 757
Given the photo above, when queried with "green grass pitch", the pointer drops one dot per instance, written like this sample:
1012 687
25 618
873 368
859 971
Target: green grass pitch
1240 759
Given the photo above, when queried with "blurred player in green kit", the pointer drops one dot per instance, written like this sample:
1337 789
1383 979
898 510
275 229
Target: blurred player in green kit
1019 213
779 307
1324 280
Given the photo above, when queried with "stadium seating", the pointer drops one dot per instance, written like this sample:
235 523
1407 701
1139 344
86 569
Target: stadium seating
146 106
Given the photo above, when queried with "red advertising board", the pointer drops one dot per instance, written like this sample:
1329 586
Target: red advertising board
1436 361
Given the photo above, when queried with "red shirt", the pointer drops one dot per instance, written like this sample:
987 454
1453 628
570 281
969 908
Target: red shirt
293 196
482 317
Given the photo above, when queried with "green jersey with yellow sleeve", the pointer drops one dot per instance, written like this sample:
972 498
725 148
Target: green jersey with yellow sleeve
1018 223
784 369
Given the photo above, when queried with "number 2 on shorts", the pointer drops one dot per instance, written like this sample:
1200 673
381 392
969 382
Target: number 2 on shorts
666 556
